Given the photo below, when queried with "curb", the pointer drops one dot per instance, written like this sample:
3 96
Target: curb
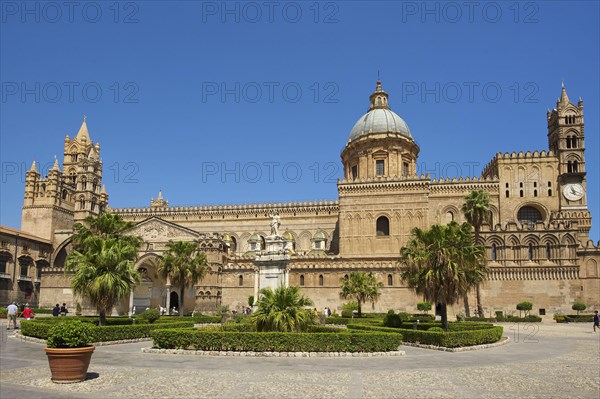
503 341
272 354
22 337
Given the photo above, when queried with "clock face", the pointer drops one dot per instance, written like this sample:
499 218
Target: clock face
573 192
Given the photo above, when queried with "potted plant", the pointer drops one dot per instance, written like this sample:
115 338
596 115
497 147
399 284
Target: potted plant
69 350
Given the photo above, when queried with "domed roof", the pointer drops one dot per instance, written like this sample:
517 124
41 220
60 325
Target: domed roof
380 118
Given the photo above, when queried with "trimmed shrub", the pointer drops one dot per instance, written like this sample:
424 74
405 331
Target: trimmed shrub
150 315
422 317
70 334
276 342
35 328
525 306
579 307
424 306
560 318
451 339
582 318
392 320
436 329
480 319
527 319
349 308
42 310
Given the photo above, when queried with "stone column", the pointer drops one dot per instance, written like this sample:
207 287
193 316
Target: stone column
131 302
256 280
287 277
168 286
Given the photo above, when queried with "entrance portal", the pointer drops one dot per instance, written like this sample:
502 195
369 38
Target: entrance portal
174 301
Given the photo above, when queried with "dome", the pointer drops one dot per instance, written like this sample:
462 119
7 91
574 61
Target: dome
379 120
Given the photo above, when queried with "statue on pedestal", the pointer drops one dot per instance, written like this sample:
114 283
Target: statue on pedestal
275 223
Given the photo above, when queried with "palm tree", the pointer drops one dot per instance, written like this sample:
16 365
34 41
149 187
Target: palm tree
183 265
103 271
362 287
441 264
477 211
105 225
283 310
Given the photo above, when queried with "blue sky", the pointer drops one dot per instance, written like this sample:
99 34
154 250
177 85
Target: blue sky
237 102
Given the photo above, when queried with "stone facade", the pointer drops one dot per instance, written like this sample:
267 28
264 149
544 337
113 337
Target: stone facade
537 239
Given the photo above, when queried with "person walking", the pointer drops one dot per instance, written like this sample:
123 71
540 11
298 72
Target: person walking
11 311
27 313
596 321
56 310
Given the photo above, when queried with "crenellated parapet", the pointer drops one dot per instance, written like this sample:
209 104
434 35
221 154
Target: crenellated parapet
230 210
491 169
463 185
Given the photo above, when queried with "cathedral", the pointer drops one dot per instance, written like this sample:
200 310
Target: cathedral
537 239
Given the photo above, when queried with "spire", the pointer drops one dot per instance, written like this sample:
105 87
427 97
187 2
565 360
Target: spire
159 197
33 167
103 190
159 202
564 99
379 98
83 134
55 166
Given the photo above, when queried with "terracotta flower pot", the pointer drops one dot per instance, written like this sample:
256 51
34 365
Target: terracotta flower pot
69 364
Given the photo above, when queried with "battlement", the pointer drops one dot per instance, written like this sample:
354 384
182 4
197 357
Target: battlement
284 208
491 169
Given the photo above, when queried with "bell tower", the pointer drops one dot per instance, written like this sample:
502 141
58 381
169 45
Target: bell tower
567 140
83 170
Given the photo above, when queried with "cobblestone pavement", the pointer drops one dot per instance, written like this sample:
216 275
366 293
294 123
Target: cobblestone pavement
544 360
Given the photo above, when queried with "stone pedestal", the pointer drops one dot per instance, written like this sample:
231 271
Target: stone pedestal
271 265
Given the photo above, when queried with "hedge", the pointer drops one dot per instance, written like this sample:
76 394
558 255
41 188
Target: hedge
276 342
198 319
105 333
451 339
356 320
507 319
453 326
582 318
246 327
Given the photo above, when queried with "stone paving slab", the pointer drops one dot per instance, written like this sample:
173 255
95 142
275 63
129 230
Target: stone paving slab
558 361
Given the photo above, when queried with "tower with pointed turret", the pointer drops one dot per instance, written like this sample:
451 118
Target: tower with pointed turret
566 140
62 198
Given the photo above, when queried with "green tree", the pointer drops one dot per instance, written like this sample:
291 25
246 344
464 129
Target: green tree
103 272
283 310
524 306
579 307
477 211
183 265
361 287
424 306
102 262
441 263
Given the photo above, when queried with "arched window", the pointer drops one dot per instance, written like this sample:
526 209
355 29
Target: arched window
64 194
494 252
302 279
81 203
449 217
24 266
233 245
390 279
530 252
529 214
383 226
548 252
320 279
93 204
240 280
4 259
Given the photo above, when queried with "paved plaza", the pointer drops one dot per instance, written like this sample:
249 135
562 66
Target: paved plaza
548 360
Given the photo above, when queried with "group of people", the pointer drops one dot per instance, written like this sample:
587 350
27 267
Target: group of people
12 311
326 312
60 310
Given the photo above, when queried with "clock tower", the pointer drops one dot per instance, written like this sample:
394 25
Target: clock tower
566 140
